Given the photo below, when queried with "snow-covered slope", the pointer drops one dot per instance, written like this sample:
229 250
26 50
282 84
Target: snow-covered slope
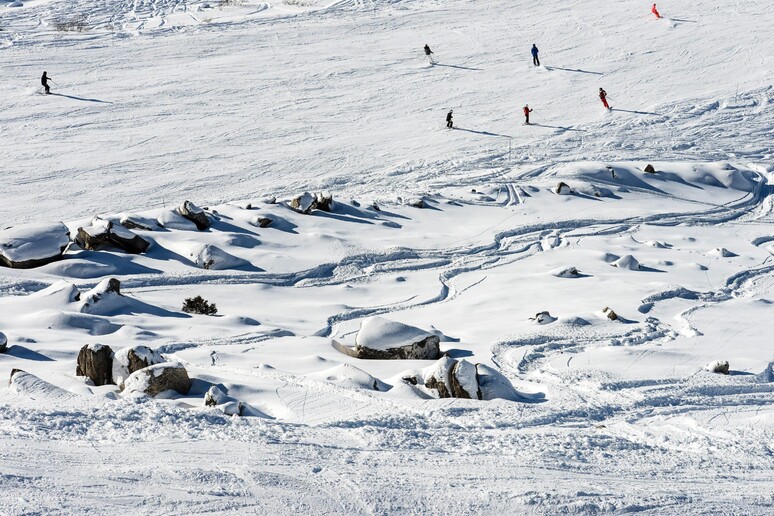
601 308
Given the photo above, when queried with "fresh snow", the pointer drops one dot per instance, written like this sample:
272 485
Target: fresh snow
239 107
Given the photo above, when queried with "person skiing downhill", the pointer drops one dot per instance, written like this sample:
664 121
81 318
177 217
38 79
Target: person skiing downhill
655 11
603 97
535 60
44 82
527 111
449 122
429 53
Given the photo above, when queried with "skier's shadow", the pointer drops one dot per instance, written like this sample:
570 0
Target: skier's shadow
576 70
560 127
459 67
81 98
636 112
485 133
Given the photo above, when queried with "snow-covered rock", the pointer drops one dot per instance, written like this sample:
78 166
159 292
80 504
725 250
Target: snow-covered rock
261 222
33 245
3 342
103 299
158 378
215 397
195 214
562 189
543 318
438 376
492 384
132 221
102 232
170 219
718 366
303 203
380 338
351 377
95 361
208 256
609 313
627 262
722 252
128 360
566 272
464 381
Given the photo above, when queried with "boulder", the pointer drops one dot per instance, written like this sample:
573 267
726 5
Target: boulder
649 169
562 189
195 214
610 313
104 298
33 245
382 339
416 203
92 237
464 381
158 378
324 201
212 257
543 318
103 232
438 376
95 361
130 242
303 203
718 366
3 342
130 221
128 360
261 222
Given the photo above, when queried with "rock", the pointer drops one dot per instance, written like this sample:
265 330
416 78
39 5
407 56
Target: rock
464 381
303 203
130 221
128 360
3 342
628 262
159 378
208 256
649 169
195 214
563 189
92 237
610 313
103 298
416 203
375 206
130 242
543 318
324 202
382 339
566 272
438 376
215 397
261 222
719 366
13 372
33 245
95 361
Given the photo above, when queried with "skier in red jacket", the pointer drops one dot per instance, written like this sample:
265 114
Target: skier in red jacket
603 97
655 11
527 111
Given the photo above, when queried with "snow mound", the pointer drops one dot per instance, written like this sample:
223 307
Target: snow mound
627 262
32 245
722 252
543 318
208 256
351 377
657 244
382 336
62 291
104 299
494 385
170 219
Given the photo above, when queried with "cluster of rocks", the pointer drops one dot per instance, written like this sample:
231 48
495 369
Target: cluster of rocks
308 202
133 369
103 232
451 378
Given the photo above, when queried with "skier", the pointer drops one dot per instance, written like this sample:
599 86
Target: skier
655 11
527 111
535 59
449 122
429 53
44 82
603 97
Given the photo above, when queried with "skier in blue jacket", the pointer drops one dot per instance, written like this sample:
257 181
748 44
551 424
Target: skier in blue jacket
535 59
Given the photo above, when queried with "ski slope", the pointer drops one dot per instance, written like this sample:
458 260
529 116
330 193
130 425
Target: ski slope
230 104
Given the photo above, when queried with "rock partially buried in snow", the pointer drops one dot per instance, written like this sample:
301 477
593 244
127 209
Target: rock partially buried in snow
306 202
95 361
131 221
566 272
3 342
438 376
129 360
719 366
649 169
33 245
464 381
261 222
215 397
610 314
722 252
158 378
104 298
627 262
563 189
543 318
195 214
208 256
103 232
382 339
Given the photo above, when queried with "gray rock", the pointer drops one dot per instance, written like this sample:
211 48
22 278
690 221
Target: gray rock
382 339
563 188
610 313
649 169
95 361
128 360
159 378
464 381
195 214
3 342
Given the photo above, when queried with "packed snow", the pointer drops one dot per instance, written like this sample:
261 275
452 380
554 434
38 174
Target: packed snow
599 283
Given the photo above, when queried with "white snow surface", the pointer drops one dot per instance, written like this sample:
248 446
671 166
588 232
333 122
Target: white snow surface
240 102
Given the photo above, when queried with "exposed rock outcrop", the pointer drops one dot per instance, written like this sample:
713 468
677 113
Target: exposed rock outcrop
159 378
382 339
195 214
95 361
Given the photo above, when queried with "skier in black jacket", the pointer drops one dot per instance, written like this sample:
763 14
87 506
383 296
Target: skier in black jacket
429 54
44 82
449 122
